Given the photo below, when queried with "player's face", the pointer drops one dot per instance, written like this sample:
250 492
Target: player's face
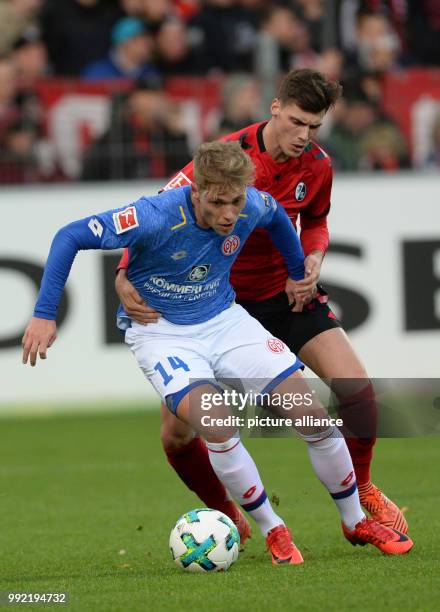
293 128
218 208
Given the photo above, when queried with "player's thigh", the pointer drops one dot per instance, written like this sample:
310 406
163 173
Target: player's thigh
332 357
246 350
330 354
205 411
172 364
294 328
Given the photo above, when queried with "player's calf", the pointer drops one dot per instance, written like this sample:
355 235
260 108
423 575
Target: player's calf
229 459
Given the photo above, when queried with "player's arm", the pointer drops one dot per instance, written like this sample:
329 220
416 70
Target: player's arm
41 330
133 304
314 229
285 238
88 233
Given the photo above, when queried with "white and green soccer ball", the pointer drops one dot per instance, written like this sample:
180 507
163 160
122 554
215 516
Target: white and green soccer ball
204 540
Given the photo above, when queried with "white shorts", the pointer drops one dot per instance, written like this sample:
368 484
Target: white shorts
232 345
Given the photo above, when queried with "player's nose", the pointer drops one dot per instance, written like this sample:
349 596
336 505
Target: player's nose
304 133
230 215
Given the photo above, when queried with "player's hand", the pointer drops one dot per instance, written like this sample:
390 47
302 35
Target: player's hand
298 296
40 334
293 296
306 288
132 302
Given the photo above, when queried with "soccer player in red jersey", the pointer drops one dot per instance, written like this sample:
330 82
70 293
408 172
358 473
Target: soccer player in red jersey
298 173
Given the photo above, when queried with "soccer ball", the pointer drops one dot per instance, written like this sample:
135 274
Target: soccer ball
204 540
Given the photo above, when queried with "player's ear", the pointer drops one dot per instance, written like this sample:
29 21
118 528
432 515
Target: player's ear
195 193
275 107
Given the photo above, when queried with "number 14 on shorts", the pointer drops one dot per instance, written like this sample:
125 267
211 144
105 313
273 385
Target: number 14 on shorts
175 363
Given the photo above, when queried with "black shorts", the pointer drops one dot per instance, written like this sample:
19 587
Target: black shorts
293 328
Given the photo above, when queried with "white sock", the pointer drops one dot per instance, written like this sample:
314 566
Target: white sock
333 466
236 469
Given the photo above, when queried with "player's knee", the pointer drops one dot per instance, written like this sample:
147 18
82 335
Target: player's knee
175 437
311 420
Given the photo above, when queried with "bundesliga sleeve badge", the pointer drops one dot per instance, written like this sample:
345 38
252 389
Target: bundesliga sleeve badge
125 220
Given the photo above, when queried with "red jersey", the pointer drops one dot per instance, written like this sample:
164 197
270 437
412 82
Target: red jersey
302 185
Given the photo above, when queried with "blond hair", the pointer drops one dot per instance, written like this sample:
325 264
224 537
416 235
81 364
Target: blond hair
221 165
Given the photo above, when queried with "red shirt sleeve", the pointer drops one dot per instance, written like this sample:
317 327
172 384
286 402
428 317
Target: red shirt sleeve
182 178
123 262
313 219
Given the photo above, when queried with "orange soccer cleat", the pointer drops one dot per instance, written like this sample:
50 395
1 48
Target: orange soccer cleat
382 509
283 550
244 529
389 541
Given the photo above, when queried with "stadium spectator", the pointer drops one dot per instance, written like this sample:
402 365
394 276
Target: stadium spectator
146 138
302 54
330 62
377 45
242 103
132 8
384 147
354 117
312 13
77 32
223 35
173 54
30 58
9 111
15 16
130 54
395 10
271 49
362 139
153 12
276 39
18 153
423 31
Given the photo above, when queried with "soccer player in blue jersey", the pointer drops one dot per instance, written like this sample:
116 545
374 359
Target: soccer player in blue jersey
182 245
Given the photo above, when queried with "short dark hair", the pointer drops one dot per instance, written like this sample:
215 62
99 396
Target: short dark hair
310 89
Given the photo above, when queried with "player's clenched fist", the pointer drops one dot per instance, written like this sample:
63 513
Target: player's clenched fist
40 334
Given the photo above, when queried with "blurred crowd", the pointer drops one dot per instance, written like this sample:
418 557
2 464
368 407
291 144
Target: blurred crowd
143 132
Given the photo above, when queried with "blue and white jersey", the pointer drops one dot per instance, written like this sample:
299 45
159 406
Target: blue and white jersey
180 269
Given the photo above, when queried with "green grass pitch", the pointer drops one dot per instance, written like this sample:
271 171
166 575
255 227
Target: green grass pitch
87 504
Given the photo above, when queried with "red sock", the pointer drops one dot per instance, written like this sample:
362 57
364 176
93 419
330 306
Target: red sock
192 464
359 413
361 451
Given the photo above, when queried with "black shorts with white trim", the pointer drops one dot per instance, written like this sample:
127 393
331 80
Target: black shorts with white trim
294 328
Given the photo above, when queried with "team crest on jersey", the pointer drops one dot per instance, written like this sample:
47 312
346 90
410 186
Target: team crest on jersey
230 245
125 220
275 346
300 191
199 273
